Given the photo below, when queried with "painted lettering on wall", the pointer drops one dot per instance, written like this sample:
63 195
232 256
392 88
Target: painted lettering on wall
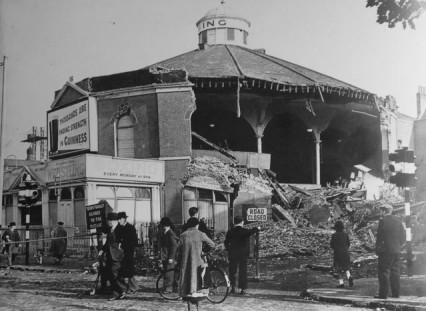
213 23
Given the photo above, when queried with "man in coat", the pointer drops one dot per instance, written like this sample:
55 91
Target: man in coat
390 239
167 247
114 257
12 239
236 243
189 256
129 240
193 212
59 242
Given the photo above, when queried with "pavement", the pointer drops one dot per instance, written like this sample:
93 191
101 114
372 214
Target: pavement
412 296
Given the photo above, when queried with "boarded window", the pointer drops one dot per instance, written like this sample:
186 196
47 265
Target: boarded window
125 138
203 37
231 34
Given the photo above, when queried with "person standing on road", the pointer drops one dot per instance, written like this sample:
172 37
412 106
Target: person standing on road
189 257
389 241
12 239
193 212
114 257
236 243
340 244
167 242
129 241
59 242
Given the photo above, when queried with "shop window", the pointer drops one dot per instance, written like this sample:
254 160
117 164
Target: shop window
52 195
211 36
103 192
65 194
219 197
231 34
79 193
35 215
123 192
189 193
125 137
204 194
143 193
9 200
203 37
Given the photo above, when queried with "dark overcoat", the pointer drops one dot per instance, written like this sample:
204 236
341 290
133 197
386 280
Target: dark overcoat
340 244
189 256
111 247
390 235
58 246
129 240
168 243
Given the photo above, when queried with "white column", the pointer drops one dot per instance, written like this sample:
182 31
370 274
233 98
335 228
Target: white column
259 143
318 156
156 204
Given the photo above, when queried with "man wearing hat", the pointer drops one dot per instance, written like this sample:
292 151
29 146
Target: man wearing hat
236 243
129 240
114 257
193 212
167 245
12 239
389 241
59 242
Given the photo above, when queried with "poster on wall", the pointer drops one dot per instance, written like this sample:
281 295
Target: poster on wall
69 129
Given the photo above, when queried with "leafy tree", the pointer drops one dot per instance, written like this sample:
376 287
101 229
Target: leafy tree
398 11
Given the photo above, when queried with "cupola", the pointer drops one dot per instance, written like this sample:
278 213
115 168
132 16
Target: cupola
222 26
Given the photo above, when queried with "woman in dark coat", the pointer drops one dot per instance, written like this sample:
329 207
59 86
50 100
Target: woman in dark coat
340 244
59 242
189 250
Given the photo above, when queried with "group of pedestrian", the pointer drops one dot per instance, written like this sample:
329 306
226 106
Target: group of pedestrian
117 256
390 239
194 240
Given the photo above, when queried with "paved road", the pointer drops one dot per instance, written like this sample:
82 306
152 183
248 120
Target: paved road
24 290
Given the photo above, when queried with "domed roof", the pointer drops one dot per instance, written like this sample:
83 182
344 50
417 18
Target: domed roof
222 11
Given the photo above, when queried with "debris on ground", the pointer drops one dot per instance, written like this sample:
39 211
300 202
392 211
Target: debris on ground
303 220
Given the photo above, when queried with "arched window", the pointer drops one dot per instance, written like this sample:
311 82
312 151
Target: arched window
125 137
79 193
65 194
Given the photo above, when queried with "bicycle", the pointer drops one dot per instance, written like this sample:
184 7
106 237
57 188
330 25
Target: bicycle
215 280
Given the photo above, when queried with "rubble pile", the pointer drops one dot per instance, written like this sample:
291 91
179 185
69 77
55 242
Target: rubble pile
224 173
303 220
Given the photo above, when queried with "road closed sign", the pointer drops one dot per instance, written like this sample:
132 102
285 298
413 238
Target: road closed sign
257 214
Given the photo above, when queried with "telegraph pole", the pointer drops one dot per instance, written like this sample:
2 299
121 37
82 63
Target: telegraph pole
2 118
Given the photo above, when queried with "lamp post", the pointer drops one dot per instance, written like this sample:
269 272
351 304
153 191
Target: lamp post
2 118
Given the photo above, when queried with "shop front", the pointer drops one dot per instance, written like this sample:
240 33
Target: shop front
69 185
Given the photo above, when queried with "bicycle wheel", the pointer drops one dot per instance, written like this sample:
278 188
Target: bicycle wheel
218 284
168 289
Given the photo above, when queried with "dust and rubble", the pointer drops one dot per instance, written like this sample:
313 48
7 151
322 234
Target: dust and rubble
302 220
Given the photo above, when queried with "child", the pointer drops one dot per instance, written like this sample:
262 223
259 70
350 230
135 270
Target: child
340 245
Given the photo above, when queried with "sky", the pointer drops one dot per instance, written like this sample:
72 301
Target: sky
48 41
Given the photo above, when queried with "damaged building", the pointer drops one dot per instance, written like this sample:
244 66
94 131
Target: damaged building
141 128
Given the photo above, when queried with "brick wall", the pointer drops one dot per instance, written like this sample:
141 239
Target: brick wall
174 123
146 131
